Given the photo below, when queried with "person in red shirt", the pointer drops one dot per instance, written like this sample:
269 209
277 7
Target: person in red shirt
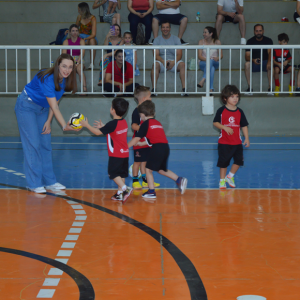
230 119
114 75
141 151
118 152
281 60
159 153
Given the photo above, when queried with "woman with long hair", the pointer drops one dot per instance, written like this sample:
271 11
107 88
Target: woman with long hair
34 109
209 38
121 83
73 39
87 25
113 38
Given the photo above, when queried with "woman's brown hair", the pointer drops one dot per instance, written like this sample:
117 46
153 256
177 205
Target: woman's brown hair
85 9
71 84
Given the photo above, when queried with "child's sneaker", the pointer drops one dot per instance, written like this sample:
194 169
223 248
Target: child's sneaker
136 185
145 184
55 186
117 197
149 195
290 90
182 184
127 193
230 181
277 89
222 184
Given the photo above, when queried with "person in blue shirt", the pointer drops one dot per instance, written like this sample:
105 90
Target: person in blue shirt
34 109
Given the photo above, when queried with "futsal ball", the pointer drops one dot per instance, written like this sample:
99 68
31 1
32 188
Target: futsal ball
75 120
130 172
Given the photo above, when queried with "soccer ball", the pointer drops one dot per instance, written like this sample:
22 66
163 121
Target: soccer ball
130 172
75 120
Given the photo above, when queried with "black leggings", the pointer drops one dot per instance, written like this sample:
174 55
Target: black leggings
109 88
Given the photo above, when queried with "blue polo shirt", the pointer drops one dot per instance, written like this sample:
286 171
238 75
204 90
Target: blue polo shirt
38 91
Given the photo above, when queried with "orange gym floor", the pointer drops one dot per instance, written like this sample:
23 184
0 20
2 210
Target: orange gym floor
206 244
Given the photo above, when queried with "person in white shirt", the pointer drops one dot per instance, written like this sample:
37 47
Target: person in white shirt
231 11
168 11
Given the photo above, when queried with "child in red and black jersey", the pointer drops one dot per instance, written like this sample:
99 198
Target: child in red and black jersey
118 152
140 151
230 119
159 153
281 60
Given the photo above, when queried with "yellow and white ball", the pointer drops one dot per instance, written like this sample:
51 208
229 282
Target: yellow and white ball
75 120
130 172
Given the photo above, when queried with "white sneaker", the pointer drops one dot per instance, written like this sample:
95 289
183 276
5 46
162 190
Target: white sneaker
90 66
39 190
243 41
298 20
55 186
230 181
222 184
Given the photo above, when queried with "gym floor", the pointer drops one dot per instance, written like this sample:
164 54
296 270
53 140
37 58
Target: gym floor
205 244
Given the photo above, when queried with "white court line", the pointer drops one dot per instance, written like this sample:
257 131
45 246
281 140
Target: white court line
216 143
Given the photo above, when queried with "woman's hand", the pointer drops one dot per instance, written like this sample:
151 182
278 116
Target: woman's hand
120 85
216 59
46 128
70 128
66 32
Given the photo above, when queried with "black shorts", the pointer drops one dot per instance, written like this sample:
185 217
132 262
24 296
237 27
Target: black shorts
173 19
285 70
118 166
141 155
227 152
296 16
158 157
228 19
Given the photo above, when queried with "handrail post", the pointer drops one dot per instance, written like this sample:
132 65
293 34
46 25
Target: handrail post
207 71
28 65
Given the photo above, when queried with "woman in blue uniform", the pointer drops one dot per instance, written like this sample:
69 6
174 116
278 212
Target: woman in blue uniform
34 109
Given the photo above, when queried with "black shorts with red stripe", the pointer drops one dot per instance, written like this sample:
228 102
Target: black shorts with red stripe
158 157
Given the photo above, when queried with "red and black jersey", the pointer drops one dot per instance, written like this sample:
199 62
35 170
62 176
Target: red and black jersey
277 55
153 131
234 119
136 119
116 136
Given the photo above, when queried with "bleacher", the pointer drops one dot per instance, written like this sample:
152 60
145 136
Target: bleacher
37 23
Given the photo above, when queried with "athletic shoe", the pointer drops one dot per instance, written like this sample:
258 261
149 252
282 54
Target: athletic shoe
90 67
270 93
298 90
222 184
145 184
184 93
291 90
230 181
127 193
39 190
55 186
153 94
243 41
117 197
183 42
136 185
182 185
151 43
277 89
149 195
247 92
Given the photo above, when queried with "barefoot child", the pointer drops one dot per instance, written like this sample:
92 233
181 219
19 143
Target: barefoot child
118 152
112 5
159 152
229 119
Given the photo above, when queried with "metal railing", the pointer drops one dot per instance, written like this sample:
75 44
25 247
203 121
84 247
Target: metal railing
232 65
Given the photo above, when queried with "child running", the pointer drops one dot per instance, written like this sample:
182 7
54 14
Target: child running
229 119
118 152
159 152
281 62
141 150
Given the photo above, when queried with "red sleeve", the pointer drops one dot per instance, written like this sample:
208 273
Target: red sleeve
289 56
129 71
109 68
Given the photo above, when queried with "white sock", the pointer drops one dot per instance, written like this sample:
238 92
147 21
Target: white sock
119 192
124 187
221 179
230 175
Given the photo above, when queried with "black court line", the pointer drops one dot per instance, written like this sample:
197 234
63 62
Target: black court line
86 290
194 282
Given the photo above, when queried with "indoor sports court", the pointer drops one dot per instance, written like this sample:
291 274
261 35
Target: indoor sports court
206 244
